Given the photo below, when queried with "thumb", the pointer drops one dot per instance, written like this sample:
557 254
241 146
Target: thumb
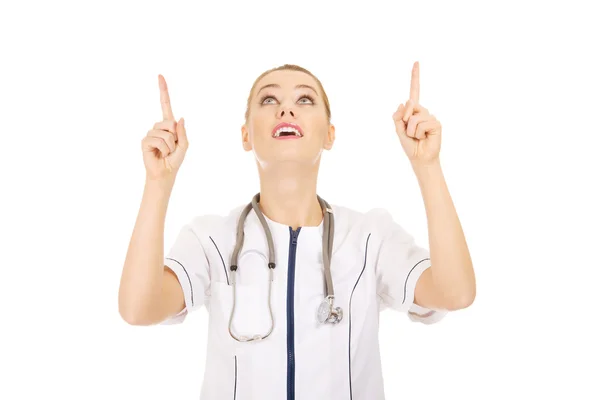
398 122
401 126
397 116
181 133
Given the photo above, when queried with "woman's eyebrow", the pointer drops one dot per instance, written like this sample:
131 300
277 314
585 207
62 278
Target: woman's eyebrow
274 85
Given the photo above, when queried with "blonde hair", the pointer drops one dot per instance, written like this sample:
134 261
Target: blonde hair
289 67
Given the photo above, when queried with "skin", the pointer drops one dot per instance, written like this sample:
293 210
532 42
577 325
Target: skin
288 169
149 292
450 281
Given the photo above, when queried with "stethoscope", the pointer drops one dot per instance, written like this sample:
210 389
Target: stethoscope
326 313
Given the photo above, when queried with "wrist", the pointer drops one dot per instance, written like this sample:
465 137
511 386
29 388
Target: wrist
424 168
163 184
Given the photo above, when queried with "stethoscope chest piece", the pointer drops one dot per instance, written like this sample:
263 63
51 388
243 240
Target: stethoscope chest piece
328 313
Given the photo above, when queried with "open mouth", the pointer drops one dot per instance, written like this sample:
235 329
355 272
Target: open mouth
287 131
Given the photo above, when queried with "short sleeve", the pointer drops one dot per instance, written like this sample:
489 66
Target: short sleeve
188 260
400 263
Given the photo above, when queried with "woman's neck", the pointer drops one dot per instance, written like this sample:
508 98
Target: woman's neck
290 197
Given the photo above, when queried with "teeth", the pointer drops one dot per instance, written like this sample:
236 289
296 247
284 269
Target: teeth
287 129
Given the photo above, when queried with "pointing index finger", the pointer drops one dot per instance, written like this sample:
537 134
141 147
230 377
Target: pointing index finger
165 100
414 83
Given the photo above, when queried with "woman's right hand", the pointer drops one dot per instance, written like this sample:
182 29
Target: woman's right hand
165 144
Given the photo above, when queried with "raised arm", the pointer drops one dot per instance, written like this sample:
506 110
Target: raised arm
149 293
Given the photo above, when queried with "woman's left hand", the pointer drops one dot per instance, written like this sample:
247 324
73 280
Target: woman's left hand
419 132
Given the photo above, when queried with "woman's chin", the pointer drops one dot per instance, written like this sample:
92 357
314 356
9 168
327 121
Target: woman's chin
288 160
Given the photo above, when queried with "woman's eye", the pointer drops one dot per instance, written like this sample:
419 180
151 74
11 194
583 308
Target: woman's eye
301 98
306 97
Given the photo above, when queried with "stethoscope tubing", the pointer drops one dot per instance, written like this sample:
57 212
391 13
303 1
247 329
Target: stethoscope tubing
328 231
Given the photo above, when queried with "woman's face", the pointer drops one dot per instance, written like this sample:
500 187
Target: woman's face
287 97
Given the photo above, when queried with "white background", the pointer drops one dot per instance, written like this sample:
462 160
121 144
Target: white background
515 86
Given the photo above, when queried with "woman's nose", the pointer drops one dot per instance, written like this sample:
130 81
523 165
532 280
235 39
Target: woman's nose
289 111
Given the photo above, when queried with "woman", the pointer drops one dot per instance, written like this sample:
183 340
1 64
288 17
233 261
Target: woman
295 316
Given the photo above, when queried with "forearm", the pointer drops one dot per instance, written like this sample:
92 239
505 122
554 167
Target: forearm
451 265
141 280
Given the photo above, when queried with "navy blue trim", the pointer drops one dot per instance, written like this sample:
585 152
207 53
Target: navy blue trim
350 316
188 276
224 268
291 363
406 281
235 381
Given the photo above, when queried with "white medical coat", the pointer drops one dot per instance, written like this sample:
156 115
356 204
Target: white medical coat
375 264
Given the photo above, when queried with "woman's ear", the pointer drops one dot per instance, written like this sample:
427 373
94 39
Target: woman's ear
246 139
330 138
